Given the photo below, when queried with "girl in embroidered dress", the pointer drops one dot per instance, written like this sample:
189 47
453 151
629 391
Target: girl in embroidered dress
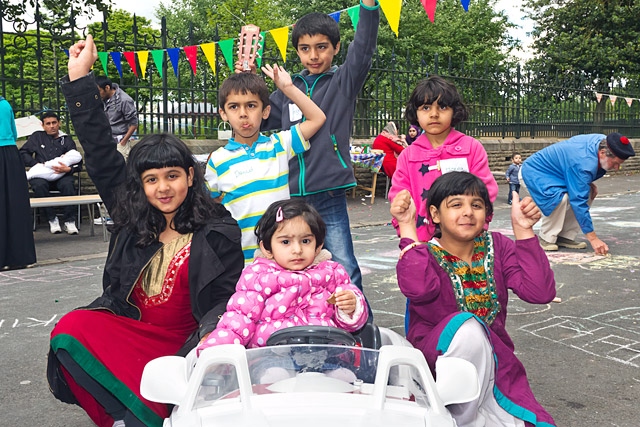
458 283
174 259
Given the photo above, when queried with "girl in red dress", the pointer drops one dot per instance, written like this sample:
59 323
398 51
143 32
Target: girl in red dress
174 259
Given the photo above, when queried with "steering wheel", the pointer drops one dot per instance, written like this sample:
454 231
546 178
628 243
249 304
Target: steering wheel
311 335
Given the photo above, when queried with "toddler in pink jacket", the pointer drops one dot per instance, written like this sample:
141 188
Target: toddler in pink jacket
292 282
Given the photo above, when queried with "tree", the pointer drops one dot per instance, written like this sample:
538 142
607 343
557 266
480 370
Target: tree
14 10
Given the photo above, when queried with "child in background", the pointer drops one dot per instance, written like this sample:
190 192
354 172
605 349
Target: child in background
413 133
322 174
174 260
252 170
437 107
291 282
458 286
512 175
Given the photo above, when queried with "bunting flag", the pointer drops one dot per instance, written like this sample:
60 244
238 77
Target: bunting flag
226 46
174 57
430 8
131 59
209 50
612 99
263 35
104 60
117 60
598 97
281 37
391 10
354 14
158 59
143 58
629 101
66 52
192 56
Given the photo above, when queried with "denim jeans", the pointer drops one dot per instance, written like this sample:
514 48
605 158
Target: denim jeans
512 188
332 207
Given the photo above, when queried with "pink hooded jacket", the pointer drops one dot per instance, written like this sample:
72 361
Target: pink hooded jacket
269 298
417 168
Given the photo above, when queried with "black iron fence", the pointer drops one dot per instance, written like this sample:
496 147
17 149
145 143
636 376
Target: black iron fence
506 102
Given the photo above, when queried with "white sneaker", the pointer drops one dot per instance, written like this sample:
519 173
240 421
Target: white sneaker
98 221
70 227
54 226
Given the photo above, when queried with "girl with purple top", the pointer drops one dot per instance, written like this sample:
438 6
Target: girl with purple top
458 283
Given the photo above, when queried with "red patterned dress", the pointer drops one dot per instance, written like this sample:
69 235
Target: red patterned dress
113 350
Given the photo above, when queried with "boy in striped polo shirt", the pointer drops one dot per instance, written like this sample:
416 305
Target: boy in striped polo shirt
252 170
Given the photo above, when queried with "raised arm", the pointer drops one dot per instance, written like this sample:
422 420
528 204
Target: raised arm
314 116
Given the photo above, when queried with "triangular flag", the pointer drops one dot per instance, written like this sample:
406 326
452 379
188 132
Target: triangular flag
629 101
263 35
354 14
131 59
226 46
192 56
104 59
209 50
335 16
598 96
143 58
612 98
430 8
117 60
158 59
391 10
465 4
174 57
281 37
66 52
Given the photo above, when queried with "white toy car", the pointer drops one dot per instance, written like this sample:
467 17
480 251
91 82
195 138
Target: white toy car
389 386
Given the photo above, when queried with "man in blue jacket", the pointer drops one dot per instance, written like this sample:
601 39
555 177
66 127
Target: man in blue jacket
560 180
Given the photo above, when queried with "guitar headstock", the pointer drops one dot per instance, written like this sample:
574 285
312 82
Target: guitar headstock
249 45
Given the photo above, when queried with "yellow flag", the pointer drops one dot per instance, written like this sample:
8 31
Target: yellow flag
391 10
281 37
143 57
209 50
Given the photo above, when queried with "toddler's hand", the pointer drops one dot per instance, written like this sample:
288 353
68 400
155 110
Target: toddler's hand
279 75
402 207
346 301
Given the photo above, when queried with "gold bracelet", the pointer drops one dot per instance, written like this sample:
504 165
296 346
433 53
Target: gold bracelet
409 247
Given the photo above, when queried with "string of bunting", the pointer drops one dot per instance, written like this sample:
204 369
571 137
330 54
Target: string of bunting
390 8
614 98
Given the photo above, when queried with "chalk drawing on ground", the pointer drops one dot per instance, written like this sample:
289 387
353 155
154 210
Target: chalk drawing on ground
613 335
591 261
59 273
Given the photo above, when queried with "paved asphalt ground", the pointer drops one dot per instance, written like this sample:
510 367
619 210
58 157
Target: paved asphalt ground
582 355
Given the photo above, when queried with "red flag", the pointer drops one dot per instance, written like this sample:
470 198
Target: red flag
192 56
131 59
430 8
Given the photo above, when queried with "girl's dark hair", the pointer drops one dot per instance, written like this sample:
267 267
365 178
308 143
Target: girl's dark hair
267 225
132 210
432 89
316 23
455 184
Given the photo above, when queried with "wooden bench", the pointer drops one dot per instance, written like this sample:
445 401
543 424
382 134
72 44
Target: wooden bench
88 199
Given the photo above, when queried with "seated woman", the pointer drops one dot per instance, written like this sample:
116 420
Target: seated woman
392 144
458 288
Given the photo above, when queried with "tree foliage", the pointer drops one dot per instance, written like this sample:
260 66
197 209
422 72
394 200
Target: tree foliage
593 39
12 10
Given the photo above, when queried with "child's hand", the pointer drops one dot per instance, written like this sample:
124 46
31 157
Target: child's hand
524 213
82 56
238 67
402 208
279 75
346 301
